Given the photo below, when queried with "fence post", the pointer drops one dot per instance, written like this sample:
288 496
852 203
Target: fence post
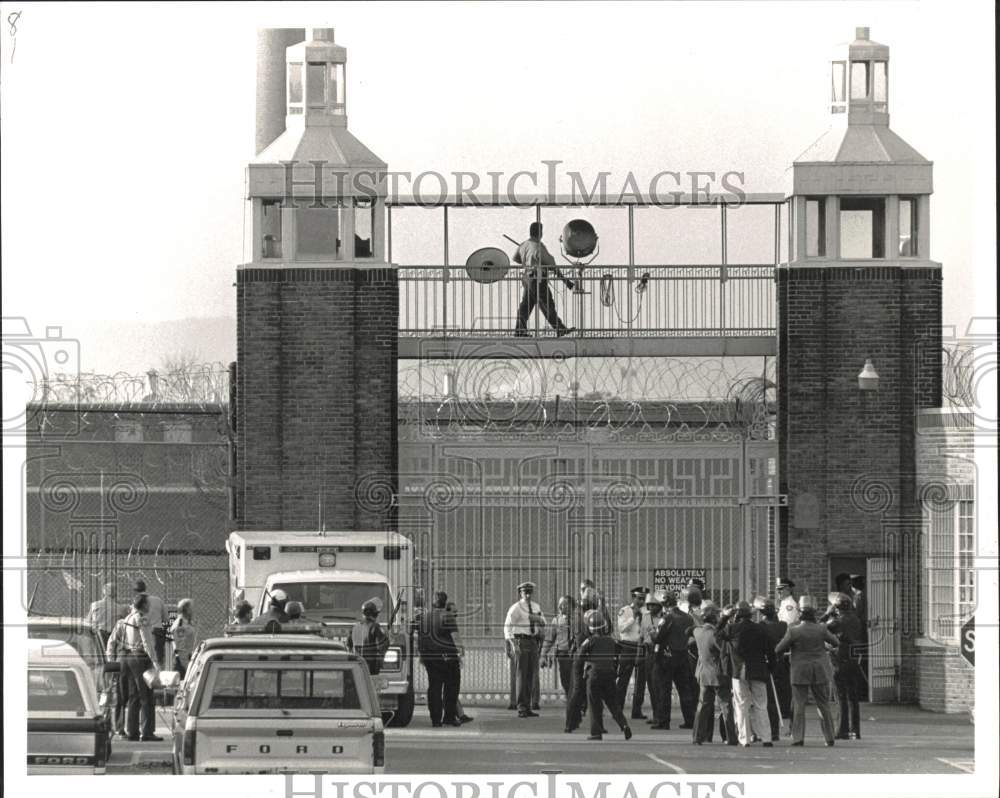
444 280
723 272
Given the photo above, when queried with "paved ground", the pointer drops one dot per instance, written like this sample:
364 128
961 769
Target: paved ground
896 740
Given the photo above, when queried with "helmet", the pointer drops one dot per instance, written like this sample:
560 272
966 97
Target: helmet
728 611
807 603
743 610
279 598
652 600
840 601
372 607
594 620
294 609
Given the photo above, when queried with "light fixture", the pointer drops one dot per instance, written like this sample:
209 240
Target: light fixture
868 378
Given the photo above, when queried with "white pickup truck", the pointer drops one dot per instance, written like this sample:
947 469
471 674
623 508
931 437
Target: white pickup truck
332 574
276 703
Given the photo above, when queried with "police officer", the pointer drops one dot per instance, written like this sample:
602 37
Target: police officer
523 630
788 608
846 625
655 672
275 614
671 646
632 652
367 637
158 617
140 654
596 658
184 634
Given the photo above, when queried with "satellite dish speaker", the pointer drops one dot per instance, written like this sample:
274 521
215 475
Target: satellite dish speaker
487 265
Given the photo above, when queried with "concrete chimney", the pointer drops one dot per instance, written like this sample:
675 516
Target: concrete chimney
271 86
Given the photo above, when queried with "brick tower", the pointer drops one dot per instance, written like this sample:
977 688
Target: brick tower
317 318
859 294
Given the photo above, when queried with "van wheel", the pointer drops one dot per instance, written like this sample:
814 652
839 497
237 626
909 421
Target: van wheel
404 710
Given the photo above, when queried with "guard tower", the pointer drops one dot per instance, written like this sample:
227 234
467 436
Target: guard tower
317 316
860 294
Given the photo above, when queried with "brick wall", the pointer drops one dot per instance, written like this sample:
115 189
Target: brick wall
316 397
946 682
847 457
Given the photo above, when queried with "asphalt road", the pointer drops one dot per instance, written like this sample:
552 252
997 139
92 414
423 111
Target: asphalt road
895 740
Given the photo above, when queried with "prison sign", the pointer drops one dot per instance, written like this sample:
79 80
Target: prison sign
673 580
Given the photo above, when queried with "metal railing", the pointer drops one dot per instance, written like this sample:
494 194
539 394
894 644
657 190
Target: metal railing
607 301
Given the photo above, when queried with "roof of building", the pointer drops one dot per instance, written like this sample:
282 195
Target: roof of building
860 144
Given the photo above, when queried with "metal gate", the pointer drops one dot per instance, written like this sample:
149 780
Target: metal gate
487 515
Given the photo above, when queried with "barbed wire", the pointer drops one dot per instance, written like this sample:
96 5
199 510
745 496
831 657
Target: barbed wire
206 383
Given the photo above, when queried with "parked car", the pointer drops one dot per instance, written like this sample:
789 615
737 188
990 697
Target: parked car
67 731
292 702
77 633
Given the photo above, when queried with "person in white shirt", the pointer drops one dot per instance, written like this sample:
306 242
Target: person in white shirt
184 634
523 630
632 651
788 607
158 620
139 649
105 612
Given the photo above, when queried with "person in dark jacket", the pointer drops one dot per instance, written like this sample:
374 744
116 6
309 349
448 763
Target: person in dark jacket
671 647
847 626
655 665
368 640
707 674
811 670
773 630
440 658
727 716
750 676
597 657
275 614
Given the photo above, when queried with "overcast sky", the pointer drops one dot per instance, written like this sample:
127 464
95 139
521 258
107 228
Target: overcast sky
127 127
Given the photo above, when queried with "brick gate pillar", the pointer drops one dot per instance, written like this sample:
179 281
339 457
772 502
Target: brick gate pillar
317 323
859 286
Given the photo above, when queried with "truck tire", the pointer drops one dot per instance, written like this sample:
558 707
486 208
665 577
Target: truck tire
404 710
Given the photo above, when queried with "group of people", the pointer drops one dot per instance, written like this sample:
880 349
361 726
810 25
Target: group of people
750 664
136 636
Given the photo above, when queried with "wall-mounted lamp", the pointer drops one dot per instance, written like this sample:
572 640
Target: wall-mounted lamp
868 378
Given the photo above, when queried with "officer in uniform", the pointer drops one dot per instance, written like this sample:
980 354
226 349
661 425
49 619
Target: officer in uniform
184 634
596 657
523 630
275 614
788 608
631 651
846 625
140 656
368 638
671 647
655 672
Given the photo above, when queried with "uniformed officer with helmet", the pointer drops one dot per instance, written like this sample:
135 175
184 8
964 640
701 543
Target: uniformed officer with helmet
367 638
847 677
596 659
656 673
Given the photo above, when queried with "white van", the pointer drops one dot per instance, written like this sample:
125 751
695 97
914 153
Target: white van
67 731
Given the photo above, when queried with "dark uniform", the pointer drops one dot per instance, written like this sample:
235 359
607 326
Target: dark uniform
774 630
671 646
597 657
847 677
439 656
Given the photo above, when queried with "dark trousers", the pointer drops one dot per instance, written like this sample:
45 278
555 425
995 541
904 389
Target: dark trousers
140 696
704 718
159 644
821 695
576 701
526 657
773 714
601 692
564 662
537 292
727 718
658 688
677 671
848 681
632 657
513 685
783 685
444 679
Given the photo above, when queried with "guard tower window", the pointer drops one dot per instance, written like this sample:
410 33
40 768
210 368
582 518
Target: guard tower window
815 228
859 80
337 88
295 88
838 78
862 227
317 231
271 228
880 85
315 85
907 227
364 224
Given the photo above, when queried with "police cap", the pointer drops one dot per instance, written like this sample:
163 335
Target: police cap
639 592
528 586
785 582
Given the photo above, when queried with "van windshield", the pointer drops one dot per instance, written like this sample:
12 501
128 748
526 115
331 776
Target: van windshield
54 691
337 601
259 686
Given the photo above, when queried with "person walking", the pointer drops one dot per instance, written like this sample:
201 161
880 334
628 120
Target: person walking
750 676
560 643
367 639
523 629
773 630
106 612
632 652
596 657
671 645
185 636
707 674
811 670
656 674
847 627
439 656
538 264
140 653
